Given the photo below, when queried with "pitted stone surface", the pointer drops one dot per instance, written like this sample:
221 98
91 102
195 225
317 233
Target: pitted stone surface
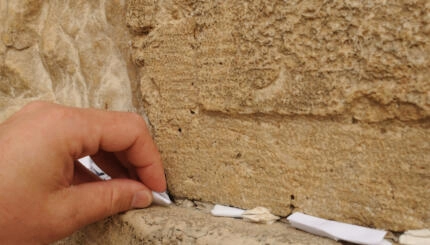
316 106
70 52
177 225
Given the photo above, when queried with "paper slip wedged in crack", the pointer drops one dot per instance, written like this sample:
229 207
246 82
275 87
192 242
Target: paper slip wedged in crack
415 237
338 230
225 211
259 215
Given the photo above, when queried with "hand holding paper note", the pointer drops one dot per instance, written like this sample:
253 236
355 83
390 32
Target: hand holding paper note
39 148
159 198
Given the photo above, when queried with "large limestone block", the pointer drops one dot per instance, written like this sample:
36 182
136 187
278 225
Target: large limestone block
314 106
178 225
71 52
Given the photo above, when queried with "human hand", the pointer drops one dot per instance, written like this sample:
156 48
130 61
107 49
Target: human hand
46 195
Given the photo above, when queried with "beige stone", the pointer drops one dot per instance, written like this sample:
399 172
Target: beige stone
316 106
176 225
320 107
71 52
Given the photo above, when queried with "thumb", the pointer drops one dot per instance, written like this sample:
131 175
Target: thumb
87 203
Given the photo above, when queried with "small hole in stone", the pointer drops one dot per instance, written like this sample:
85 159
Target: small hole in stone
354 120
239 155
383 130
192 112
292 197
180 130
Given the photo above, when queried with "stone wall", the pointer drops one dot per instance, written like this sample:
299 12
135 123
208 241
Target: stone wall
71 52
314 106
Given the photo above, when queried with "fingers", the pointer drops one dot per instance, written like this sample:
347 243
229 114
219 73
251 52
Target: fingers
86 131
108 162
89 202
121 132
83 175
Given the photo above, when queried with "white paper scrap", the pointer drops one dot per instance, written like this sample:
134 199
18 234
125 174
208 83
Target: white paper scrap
225 211
161 198
259 215
338 230
86 161
415 237
92 166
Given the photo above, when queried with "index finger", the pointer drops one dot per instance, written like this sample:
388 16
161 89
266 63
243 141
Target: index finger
92 130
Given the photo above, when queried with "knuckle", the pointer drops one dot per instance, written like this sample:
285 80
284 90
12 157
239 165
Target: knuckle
114 202
136 117
48 109
57 114
35 105
138 120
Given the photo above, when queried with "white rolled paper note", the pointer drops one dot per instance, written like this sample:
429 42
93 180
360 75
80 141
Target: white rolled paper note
259 215
161 198
416 237
89 163
225 211
338 230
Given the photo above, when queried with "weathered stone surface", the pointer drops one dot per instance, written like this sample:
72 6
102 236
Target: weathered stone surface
176 225
71 52
317 106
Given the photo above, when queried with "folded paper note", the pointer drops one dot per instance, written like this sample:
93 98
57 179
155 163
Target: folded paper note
259 215
416 237
256 215
92 166
224 211
337 230
161 198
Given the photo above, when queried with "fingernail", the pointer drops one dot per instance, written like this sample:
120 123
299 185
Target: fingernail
141 199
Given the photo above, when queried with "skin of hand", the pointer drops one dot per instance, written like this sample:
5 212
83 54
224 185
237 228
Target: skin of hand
46 195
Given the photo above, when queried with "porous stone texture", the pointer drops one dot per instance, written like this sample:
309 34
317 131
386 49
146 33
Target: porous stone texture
70 52
178 225
314 106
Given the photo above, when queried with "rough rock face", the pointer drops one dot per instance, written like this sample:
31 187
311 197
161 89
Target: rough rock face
317 106
71 52
178 225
